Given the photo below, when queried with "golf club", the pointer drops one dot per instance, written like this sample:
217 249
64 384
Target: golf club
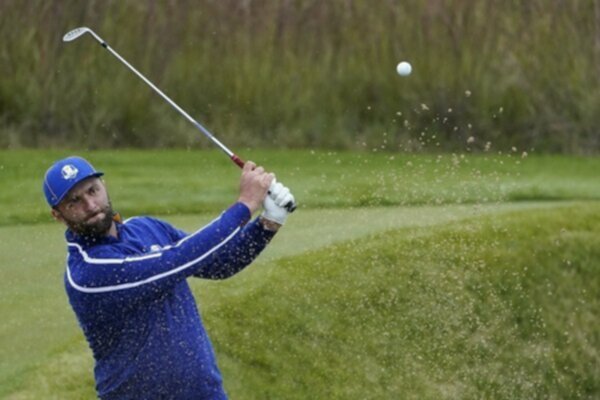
78 32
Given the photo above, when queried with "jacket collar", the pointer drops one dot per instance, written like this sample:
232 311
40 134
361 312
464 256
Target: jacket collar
89 241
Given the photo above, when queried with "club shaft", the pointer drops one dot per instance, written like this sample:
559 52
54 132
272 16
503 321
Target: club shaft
198 125
76 33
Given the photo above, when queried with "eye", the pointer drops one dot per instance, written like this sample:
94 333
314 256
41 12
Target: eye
71 203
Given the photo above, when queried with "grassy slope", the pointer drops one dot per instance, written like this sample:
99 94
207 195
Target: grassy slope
490 308
486 308
38 323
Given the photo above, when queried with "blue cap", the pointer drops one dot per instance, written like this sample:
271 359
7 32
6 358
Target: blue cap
64 175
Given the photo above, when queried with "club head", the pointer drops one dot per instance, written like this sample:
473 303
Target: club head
75 33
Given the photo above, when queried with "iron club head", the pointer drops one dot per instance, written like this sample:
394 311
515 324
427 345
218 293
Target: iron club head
75 33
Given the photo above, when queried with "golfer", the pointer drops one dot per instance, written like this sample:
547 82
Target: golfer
127 281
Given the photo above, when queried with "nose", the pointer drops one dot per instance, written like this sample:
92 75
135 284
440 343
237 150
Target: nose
89 203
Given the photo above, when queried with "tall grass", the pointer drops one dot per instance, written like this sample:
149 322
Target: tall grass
304 73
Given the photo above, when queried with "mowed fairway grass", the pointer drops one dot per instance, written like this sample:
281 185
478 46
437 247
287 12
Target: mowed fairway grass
400 276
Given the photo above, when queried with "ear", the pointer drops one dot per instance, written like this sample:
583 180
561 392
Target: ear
57 215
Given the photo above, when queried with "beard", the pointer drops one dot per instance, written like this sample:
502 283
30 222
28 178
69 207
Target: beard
97 228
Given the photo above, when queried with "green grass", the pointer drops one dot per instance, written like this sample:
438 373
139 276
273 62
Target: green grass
496 307
34 303
489 308
411 276
174 182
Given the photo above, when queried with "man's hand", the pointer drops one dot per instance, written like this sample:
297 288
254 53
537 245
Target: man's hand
254 184
274 204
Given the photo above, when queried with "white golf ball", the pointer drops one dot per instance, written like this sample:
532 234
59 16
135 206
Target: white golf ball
404 68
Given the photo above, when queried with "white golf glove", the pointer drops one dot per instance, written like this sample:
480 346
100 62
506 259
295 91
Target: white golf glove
278 204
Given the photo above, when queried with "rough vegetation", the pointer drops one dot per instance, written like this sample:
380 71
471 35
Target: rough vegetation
304 73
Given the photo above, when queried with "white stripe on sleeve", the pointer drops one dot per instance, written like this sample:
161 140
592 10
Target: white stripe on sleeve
103 289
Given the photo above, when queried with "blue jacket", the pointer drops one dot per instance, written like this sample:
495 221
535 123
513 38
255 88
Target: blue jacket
136 309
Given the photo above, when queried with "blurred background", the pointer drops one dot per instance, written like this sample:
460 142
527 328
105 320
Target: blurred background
447 240
304 74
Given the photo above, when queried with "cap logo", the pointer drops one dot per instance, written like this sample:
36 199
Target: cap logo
69 172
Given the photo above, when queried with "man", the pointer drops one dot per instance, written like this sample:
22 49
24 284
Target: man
126 281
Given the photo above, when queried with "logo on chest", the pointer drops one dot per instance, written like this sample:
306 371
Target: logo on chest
154 248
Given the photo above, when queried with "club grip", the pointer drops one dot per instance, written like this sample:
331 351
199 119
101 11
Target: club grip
239 162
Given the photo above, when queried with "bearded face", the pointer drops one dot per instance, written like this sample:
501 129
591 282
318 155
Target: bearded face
97 224
86 210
